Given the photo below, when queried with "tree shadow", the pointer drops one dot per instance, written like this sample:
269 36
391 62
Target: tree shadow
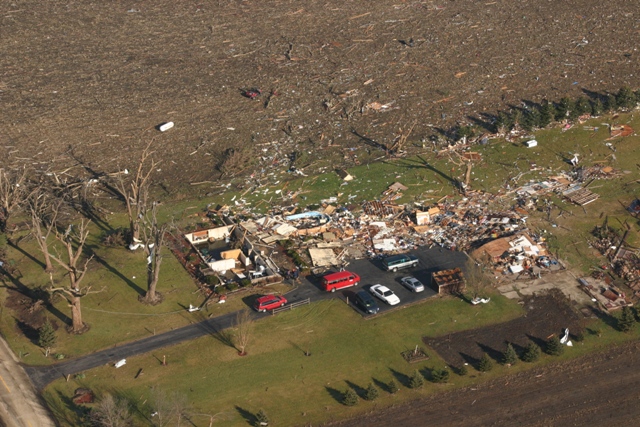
71 412
473 361
31 333
334 393
403 379
249 417
361 392
34 295
486 121
25 253
537 341
117 273
491 352
371 142
381 385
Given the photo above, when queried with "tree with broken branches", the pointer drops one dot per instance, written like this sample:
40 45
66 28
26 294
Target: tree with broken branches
153 235
44 214
135 191
13 193
73 242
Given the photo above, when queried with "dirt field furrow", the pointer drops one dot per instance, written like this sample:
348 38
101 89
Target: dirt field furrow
599 389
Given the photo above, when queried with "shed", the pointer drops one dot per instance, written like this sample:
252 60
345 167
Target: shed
449 281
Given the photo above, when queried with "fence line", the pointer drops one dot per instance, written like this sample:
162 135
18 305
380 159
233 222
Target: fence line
291 306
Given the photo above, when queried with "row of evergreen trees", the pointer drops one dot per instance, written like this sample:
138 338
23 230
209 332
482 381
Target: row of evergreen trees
538 116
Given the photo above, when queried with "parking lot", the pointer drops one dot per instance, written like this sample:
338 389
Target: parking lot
371 273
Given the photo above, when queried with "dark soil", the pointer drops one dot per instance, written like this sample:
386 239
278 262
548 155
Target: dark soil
545 315
86 83
599 389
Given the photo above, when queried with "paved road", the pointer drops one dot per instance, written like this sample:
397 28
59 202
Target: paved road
19 403
370 272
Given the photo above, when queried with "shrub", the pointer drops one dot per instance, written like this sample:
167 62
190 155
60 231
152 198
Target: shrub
232 286
393 387
80 376
440 375
58 356
349 398
245 282
531 353
485 364
115 238
463 370
554 347
509 357
371 393
212 280
579 335
416 380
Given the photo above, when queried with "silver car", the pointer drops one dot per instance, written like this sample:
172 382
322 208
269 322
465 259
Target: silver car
412 284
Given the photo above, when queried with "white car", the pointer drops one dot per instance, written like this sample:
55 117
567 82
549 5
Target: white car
385 294
412 284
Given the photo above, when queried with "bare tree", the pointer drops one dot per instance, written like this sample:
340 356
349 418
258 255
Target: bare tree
13 192
244 326
74 244
111 412
44 215
135 191
153 235
476 278
168 408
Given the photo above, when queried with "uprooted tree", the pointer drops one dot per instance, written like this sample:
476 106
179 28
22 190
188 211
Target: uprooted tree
73 242
44 215
476 278
134 189
153 235
13 192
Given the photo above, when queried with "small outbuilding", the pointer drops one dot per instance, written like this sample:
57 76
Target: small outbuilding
449 281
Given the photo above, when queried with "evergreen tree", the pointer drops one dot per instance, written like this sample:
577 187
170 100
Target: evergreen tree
261 418
349 398
547 113
564 107
596 107
372 392
509 357
626 320
626 98
393 387
504 122
530 119
463 370
531 353
554 347
416 380
610 103
440 375
47 337
485 364
583 106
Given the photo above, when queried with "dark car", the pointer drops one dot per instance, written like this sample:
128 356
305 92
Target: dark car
365 302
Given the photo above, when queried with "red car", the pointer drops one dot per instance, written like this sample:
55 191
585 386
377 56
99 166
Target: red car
269 302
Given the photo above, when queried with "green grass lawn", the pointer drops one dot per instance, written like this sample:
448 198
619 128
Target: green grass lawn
277 376
293 389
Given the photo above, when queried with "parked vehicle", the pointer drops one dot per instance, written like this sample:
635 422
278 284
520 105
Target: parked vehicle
342 279
269 302
396 262
366 303
412 284
385 294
